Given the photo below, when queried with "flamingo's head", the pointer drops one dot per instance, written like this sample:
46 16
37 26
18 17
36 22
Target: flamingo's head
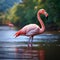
43 11
17 34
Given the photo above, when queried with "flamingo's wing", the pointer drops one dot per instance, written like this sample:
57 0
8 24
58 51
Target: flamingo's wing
33 32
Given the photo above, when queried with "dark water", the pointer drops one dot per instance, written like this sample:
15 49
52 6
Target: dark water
45 46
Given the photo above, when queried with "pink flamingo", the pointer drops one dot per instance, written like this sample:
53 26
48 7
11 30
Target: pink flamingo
33 29
10 25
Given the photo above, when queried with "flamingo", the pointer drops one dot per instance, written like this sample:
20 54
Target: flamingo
10 25
32 29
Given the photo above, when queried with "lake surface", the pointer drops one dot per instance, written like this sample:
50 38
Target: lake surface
12 48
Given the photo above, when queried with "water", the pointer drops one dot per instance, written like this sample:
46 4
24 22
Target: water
12 48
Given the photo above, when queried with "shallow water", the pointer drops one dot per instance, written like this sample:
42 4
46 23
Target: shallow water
12 48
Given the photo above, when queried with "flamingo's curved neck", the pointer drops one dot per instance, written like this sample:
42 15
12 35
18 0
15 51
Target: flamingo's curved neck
42 29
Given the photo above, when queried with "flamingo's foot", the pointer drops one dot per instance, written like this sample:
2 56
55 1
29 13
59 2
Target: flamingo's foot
29 45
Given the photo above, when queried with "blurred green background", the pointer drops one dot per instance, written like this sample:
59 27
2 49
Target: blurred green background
25 12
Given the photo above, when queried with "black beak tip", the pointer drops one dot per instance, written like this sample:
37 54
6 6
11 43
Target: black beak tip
47 17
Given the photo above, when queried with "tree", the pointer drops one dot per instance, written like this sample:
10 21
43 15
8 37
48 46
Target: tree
24 12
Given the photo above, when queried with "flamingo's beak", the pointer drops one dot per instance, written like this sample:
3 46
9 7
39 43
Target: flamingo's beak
16 35
46 14
47 17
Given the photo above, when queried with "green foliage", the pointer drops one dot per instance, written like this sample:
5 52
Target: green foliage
26 12
53 8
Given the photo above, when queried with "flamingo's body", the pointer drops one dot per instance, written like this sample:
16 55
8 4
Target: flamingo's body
33 29
29 30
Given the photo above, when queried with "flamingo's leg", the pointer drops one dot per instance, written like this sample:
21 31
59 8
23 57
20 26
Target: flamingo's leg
30 42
